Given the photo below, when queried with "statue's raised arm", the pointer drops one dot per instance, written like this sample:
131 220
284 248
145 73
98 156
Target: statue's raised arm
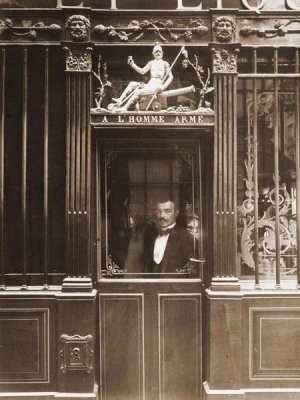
160 78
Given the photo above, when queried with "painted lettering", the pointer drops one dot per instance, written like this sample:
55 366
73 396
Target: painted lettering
253 5
184 119
113 5
157 119
293 4
259 5
180 6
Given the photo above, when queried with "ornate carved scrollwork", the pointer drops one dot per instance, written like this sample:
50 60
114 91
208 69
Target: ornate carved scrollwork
76 353
78 59
279 29
225 60
28 29
135 30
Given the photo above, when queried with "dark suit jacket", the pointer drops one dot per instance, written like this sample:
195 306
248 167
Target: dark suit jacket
178 250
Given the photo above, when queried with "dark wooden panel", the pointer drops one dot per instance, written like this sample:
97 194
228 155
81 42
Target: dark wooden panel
122 350
24 345
180 338
274 343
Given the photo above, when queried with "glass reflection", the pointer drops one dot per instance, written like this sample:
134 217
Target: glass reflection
151 215
266 201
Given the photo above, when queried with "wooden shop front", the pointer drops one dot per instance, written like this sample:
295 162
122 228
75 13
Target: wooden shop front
119 120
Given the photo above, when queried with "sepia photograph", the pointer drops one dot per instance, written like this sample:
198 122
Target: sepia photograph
150 199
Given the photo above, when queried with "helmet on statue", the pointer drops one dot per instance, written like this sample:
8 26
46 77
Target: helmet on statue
157 47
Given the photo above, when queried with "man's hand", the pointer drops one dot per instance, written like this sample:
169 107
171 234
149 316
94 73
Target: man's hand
129 60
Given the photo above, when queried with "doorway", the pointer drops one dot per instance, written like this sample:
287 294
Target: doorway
150 319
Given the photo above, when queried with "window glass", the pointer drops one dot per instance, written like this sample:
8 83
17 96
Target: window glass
275 124
150 213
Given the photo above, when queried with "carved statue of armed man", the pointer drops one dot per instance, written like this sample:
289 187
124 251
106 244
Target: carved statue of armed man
160 78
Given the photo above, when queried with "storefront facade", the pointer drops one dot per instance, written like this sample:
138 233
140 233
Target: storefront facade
118 118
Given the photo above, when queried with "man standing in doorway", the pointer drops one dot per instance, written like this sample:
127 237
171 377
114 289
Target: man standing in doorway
168 247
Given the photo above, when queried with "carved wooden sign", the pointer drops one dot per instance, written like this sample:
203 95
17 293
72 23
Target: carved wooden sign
152 119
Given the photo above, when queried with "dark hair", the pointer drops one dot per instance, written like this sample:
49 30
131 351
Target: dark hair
165 200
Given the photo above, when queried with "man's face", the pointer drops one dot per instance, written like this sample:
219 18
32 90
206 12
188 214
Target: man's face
224 30
78 29
165 214
157 54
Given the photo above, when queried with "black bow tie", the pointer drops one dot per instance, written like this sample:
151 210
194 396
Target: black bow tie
165 232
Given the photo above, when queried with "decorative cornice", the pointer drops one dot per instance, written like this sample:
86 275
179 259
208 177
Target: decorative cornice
78 59
28 29
163 30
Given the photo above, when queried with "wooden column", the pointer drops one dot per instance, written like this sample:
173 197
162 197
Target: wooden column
78 83
225 149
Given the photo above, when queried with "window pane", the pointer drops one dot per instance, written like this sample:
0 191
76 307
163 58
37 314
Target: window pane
267 187
150 221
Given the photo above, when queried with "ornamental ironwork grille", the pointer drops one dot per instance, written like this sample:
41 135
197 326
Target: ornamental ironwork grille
268 166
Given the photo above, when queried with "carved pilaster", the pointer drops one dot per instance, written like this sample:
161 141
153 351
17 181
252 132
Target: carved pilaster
225 250
78 78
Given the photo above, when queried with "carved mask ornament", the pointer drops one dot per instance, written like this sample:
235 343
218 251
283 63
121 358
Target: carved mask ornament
79 27
224 28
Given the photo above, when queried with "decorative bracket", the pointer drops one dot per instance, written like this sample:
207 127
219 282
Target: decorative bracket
225 59
78 58
77 353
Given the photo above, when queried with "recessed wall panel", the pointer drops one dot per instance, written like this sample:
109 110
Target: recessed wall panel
122 352
274 343
24 345
179 347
